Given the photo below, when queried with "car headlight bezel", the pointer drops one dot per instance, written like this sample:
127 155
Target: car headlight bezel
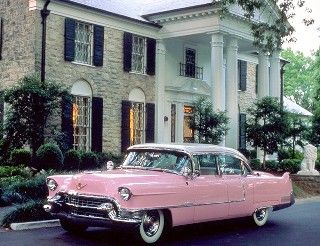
52 184
125 193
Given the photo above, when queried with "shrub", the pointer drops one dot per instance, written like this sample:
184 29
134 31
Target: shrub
104 157
49 156
9 171
253 154
283 154
71 160
30 211
24 190
272 165
89 160
291 165
255 164
20 157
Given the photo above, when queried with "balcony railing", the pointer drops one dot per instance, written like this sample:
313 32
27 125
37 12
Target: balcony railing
191 71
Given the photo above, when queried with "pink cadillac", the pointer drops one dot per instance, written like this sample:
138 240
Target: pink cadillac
160 186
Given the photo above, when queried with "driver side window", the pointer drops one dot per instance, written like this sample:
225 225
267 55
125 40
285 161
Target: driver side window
229 165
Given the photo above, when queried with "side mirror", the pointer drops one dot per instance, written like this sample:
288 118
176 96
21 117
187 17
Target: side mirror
110 165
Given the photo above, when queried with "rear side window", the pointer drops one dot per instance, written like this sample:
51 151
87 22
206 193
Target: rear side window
206 164
230 165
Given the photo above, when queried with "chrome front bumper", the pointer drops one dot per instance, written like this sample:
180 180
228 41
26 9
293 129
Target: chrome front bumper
90 210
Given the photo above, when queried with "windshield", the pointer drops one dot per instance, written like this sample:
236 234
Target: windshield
157 160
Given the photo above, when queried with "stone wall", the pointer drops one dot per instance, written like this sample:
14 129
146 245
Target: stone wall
247 98
108 81
19 35
309 183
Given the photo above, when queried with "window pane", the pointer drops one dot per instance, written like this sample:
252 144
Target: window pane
83 43
81 116
206 164
230 165
137 123
188 133
138 54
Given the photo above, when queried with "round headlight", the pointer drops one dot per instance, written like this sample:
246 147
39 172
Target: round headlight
52 184
125 193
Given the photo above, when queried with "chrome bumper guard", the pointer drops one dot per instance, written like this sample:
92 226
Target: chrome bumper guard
93 213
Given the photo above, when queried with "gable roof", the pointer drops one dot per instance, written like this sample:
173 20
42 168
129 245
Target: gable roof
136 9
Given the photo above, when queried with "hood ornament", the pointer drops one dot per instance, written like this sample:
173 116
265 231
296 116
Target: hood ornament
80 186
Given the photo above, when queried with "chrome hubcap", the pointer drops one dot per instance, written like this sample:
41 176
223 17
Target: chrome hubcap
151 223
260 214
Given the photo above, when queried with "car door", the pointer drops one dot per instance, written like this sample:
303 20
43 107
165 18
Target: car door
239 189
210 196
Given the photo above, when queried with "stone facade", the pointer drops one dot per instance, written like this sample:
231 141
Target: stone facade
248 97
109 81
19 41
22 56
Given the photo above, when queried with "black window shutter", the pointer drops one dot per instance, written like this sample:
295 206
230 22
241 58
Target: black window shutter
127 51
98 45
151 56
97 124
242 131
257 67
150 117
66 121
1 110
1 37
242 75
125 125
69 37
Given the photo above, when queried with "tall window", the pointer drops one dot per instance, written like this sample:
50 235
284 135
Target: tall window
138 54
83 43
190 62
136 123
81 117
188 133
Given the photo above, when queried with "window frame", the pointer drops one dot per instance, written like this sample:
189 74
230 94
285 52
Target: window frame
90 44
87 127
143 55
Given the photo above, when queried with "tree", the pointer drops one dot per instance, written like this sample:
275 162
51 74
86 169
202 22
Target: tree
299 83
209 126
31 103
314 137
270 36
266 127
316 78
296 131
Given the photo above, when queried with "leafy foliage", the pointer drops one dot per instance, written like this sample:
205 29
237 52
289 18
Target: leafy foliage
72 160
291 165
299 84
209 126
315 128
31 103
20 157
49 156
30 211
266 127
269 36
89 160
296 132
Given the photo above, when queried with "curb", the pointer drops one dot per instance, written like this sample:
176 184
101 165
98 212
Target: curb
34 225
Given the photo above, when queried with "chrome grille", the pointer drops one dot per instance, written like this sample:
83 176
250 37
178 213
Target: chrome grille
86 206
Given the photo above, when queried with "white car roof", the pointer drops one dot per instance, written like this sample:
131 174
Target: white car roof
190 148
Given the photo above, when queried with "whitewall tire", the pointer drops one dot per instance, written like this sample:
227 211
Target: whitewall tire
260 216
152 226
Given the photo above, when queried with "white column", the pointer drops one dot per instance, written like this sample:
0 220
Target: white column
275 79
263 75
232 94
217 83
159 92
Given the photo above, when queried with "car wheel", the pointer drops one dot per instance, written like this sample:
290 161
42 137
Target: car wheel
72 227
152 226
260 216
